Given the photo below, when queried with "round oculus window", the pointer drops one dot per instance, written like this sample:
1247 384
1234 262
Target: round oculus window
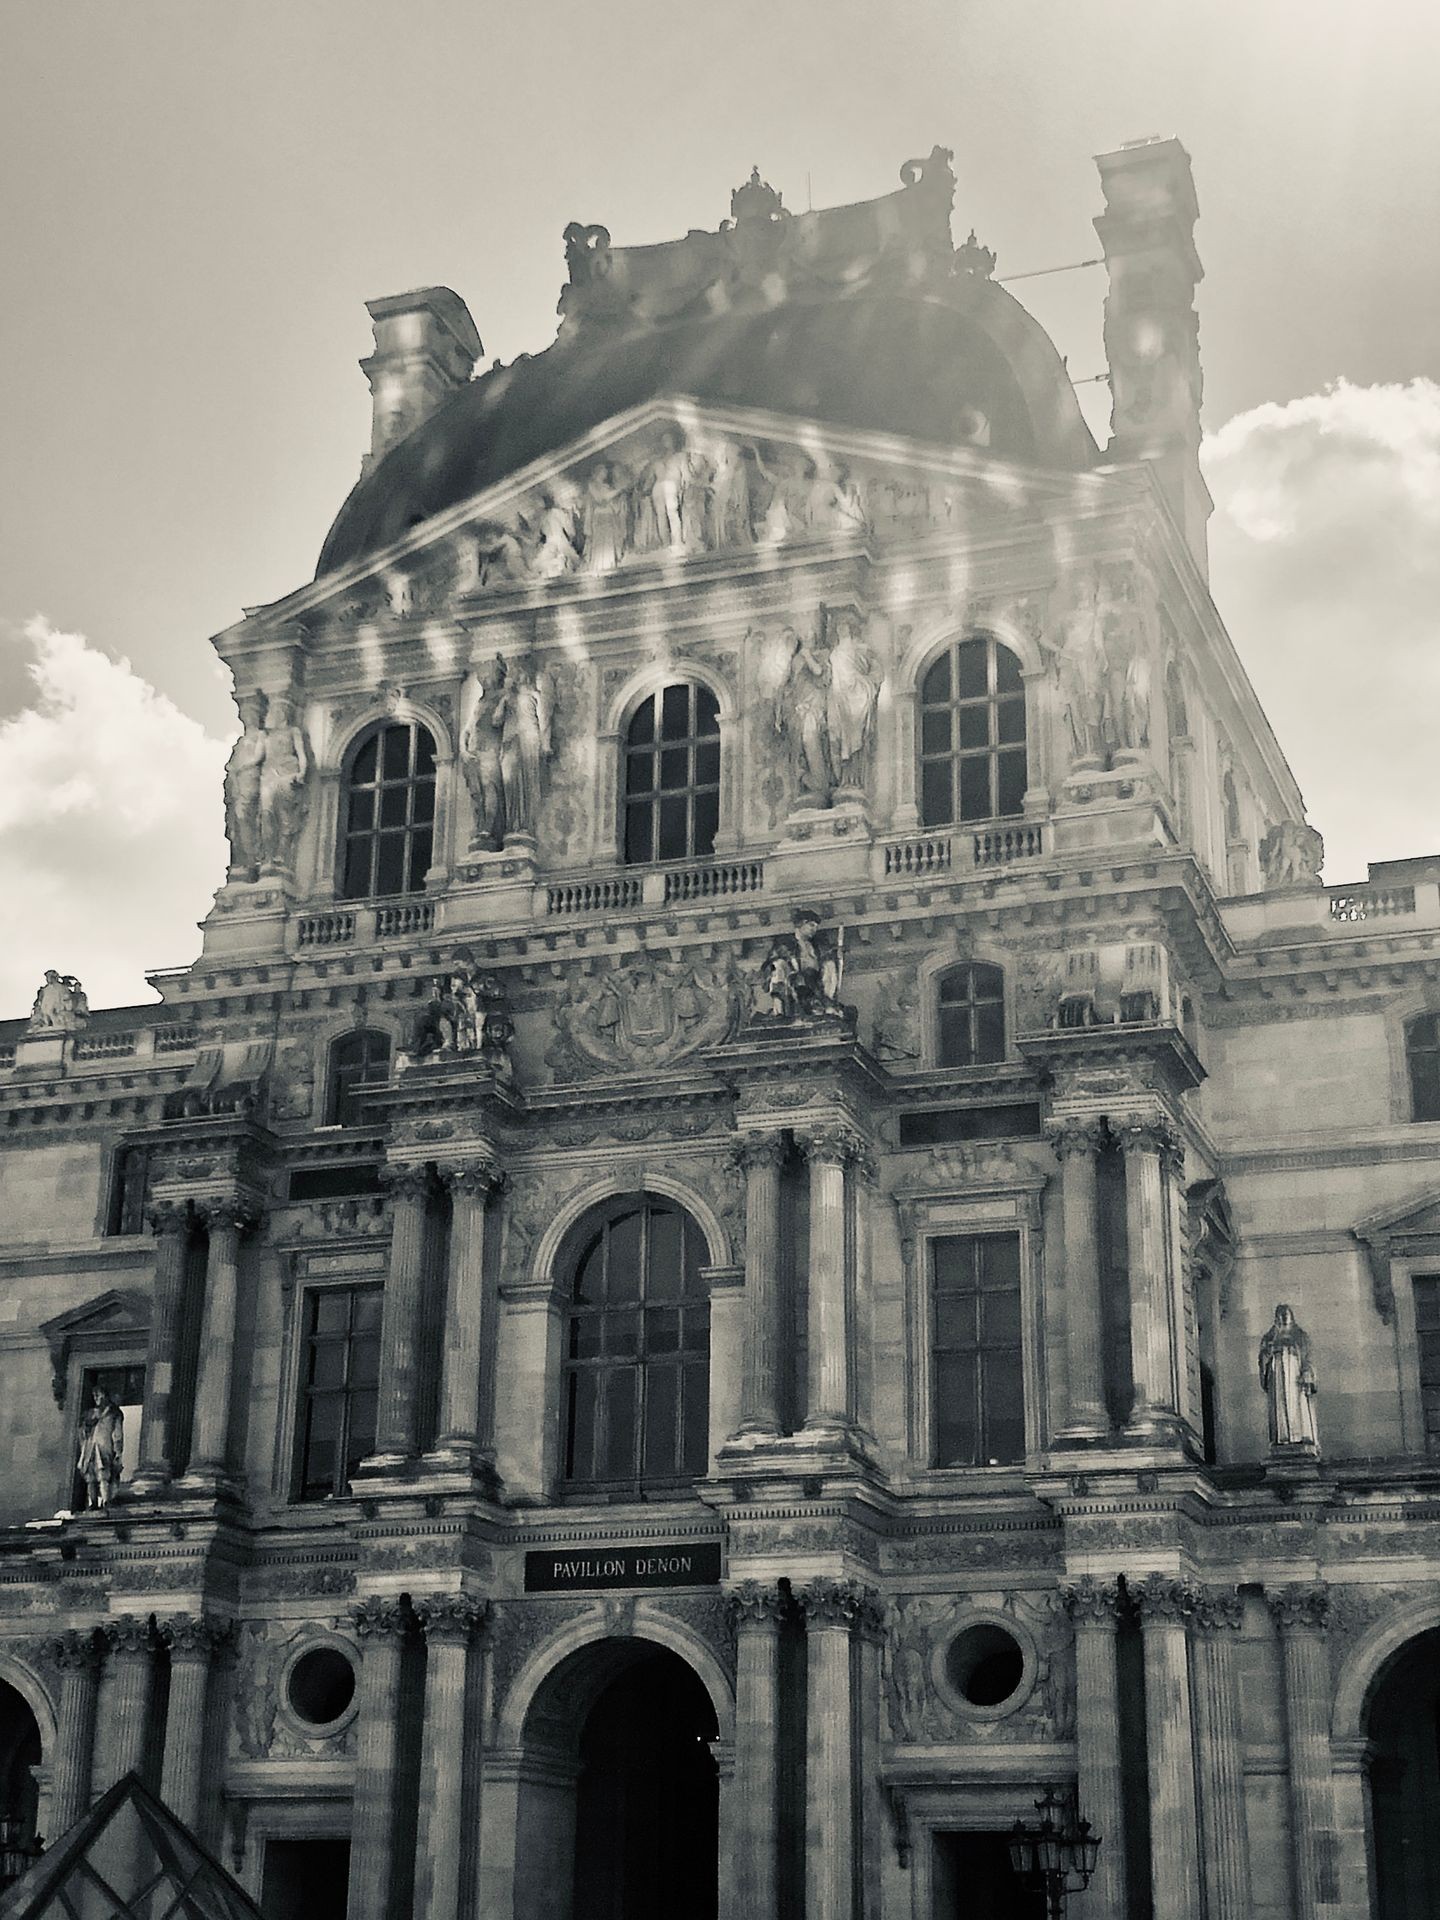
320 1686
985 1665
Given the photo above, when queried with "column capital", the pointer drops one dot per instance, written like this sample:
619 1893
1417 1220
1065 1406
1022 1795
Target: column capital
473 1179
755 1603
169 1218
379 1618
1300 1608
1071 1134
841 1603
1161 1598
75 1650
197 1637
455 1618
1145 1133
1093 1603
129 1634
243 1215
749 1150
1219 1607
836 1145
405 1181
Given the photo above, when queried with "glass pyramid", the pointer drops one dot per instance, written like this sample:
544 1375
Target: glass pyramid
129 1858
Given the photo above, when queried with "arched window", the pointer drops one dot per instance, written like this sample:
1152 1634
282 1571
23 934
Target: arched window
387 823
970 1017
358 1063
672 776
972 734
636 1400
1422 1056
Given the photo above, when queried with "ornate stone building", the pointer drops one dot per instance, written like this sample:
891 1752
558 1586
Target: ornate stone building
671 1317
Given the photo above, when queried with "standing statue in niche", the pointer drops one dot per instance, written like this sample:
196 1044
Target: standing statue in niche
1082 671
524 709
242 788
850 705
102 1448
480 761
282 785
60 1005
1289 1382
802 715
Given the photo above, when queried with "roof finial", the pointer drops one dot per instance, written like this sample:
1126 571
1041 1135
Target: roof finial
756 200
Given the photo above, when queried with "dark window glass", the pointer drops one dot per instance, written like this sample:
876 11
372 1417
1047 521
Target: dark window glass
126 1212
971 1018
637 1348
976 1350
672 779
389 812
1427 1340
358 1063
340 1365
972 703
1422 1051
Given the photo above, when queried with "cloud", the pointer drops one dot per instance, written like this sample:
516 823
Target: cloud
1325 563
111 839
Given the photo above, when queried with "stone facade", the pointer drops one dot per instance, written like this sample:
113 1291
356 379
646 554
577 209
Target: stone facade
1191 1100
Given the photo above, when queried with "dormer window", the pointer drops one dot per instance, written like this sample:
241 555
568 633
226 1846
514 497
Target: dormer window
672 776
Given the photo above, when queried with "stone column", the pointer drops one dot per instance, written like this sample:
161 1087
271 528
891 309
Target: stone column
1094 1607
128 1688
382 1627
170 1221
1147 1142
469 1312
78 1656
828 1407
757 1611
225 1221
451 1622
1301 1616
193 1642
832 1610
760 1156
1219 1754
1165 1606
1076 1142
397 1437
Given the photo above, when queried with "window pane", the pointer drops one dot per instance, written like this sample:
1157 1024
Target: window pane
664 1277
1004 1436
620 1461
422 803
674 834
590 1273
1012 783
696 1418
675 713
622 1332
1010 725
936 684
975 788
662 1406
395 753
638 830
662 1330
365 1363
974 725
390 864
955 1048
936 804
989 1032
955 1317
1000 1318
394 802
1007 671
624 1257
707 711
675 768
424 755
955 1426
421 843
362 1429
361 816
953 1261
585 1331
580 1454
935 731
707 765
1427 1301
369 1302
327 1364
1000 1260
642 723
1425 1085
357 869
362 768
707 822
639 772
971 673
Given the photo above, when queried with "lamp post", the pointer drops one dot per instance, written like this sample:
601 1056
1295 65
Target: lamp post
17 1854
1058 1856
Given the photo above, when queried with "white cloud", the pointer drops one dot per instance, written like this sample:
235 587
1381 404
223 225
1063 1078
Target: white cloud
1326 567
111 839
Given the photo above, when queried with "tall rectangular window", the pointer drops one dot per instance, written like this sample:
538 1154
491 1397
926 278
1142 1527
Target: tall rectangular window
340 1370
979 1391
130 1172
1427 1340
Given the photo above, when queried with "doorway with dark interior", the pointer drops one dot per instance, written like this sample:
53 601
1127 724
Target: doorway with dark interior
974 1880
305 1879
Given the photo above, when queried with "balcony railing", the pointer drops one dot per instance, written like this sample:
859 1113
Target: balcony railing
695 885
998 846
610 893
921 856
1365 902
107 1046
325 929
719 881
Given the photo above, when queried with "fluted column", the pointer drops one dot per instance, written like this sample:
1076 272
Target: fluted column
1165 1606
225 1221
760 1157
1094 1608
397 1420
170 1221
193 1642
1219 1754
833 1610
830 1152
129 1684
382 1627
1147 1143
77 1654
469 1311
452 1623
757 1611
1076 1143
1301 1616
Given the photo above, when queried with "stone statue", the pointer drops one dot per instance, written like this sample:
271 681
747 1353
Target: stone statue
523 710
850 704
242 788
480 761
557 553
792 485
800 976
731 504
606 516
1082 671
60 1005
1291 855
678 495
1289 1382
102 1448
467 1013
907 1654
508 550
282 785
802 715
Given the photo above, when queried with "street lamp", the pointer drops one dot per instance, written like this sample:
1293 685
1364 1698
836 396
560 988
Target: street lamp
17 1854
1058 1856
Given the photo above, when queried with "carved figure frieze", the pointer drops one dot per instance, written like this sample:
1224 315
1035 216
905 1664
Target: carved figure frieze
1291 855
256 1694
644 1012
60 1005
1287 1377
800 977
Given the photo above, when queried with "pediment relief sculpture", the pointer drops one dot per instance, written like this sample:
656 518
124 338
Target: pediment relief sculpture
643 1013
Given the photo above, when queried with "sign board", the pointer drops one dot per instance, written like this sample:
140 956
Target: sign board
585 1568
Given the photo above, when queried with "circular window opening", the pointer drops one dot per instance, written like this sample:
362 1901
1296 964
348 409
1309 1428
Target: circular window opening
985 1665
321 1686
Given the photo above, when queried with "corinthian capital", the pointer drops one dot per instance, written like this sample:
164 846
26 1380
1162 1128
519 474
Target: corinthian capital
168 1217
241 1215
472 1179
75 1651
838 1146
1219 1607
1300 1607
1145 1133
405 1182
840 1603
376 1618
757 1150
454 1617
192 1636
1092 1603
1074 1134
129 1634
755 1604
1160 1597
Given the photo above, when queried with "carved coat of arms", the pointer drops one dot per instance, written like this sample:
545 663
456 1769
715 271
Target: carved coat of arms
645 1012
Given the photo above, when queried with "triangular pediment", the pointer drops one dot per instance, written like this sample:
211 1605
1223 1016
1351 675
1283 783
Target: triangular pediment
1417 1218
116 1311
675 483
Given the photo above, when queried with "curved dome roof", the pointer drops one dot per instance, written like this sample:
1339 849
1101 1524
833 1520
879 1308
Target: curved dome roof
924 368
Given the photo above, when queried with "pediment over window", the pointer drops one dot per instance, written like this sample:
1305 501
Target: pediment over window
1408 1230
111 1318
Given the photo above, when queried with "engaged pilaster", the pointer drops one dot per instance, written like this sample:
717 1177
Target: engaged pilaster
382 1628
170 1222
835 1611
194 1641
1076 1142
225 1222
760 1157
1094 1609
1302 1616
469 1313
1220 1756
78 1655
832 1153
757 1612
452 1624
1165 1606
1150 1146
397 1418
129 1686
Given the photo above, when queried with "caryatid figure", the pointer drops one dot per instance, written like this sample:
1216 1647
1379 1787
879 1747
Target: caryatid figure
850 706
242 788
524 710
282 785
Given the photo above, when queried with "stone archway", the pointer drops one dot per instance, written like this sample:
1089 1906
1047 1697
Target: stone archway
21 1752
1403 1726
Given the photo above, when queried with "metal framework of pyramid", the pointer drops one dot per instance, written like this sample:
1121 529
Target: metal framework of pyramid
129 1858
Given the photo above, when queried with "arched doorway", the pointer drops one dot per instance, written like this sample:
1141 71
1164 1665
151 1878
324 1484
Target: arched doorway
1404 1728
20 1754
619 1816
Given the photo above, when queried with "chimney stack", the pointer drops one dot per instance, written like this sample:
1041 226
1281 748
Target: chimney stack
1152 338
426 346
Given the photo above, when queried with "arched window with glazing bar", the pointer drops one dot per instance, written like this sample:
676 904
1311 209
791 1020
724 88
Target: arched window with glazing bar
387 822
973 763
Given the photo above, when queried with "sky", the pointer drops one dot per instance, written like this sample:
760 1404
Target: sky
196 199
